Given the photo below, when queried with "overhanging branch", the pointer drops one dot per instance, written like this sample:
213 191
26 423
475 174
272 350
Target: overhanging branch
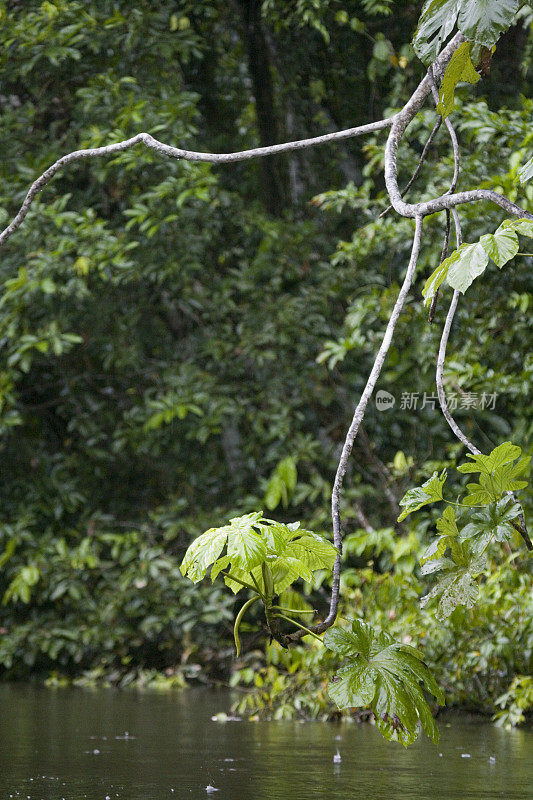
178 153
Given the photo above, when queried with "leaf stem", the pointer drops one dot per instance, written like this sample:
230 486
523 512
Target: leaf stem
238 620
257 587
242 583
288 619
463 505
294 610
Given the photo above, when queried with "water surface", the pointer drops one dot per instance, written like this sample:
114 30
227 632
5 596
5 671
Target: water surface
77 744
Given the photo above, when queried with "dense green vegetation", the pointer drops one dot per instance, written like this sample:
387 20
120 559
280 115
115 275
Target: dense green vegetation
183 344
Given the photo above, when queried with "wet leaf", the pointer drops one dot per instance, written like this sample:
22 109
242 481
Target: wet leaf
386 674
429 492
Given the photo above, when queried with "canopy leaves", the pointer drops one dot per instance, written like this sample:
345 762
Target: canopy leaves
252 540
480 21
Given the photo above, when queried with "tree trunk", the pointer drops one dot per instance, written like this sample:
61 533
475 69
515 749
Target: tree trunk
259 66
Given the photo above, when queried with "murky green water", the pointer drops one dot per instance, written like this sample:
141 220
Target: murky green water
104 744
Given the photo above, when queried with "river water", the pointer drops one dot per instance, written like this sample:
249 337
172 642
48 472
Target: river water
76 744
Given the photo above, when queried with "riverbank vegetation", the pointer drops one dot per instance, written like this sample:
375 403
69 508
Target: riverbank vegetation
182 343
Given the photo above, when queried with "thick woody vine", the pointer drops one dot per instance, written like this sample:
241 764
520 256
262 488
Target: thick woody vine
265 557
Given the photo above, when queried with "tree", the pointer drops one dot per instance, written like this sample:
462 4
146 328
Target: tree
254 543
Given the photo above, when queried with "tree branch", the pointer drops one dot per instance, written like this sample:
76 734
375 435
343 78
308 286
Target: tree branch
175 152
400 122
354 428
421 160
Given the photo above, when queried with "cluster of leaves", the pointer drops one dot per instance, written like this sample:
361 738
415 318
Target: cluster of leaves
500 475
478 656
515 703
281 484
252 541
262 555
106 606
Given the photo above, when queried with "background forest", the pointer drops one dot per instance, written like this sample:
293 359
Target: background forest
182 343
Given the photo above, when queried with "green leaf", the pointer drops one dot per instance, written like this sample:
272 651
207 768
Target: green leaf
447 527
501 246
447 524
246 546
203 552
437 278
8 552
493 522
385 674
477 495
498 473
505 478
522 225
470 263
503 454
457 586
353 685
435 25
470 260
526 172
429 492
460 68
286 570
313 550
243 575
219 565
281 484
287 472
351 643
483 21
276 535
274 493
435 550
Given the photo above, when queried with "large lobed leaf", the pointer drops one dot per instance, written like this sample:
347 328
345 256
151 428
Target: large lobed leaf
386 675
435 25
480 21
483 21
499 472
252 540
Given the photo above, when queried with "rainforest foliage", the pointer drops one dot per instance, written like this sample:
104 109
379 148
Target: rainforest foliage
182 344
